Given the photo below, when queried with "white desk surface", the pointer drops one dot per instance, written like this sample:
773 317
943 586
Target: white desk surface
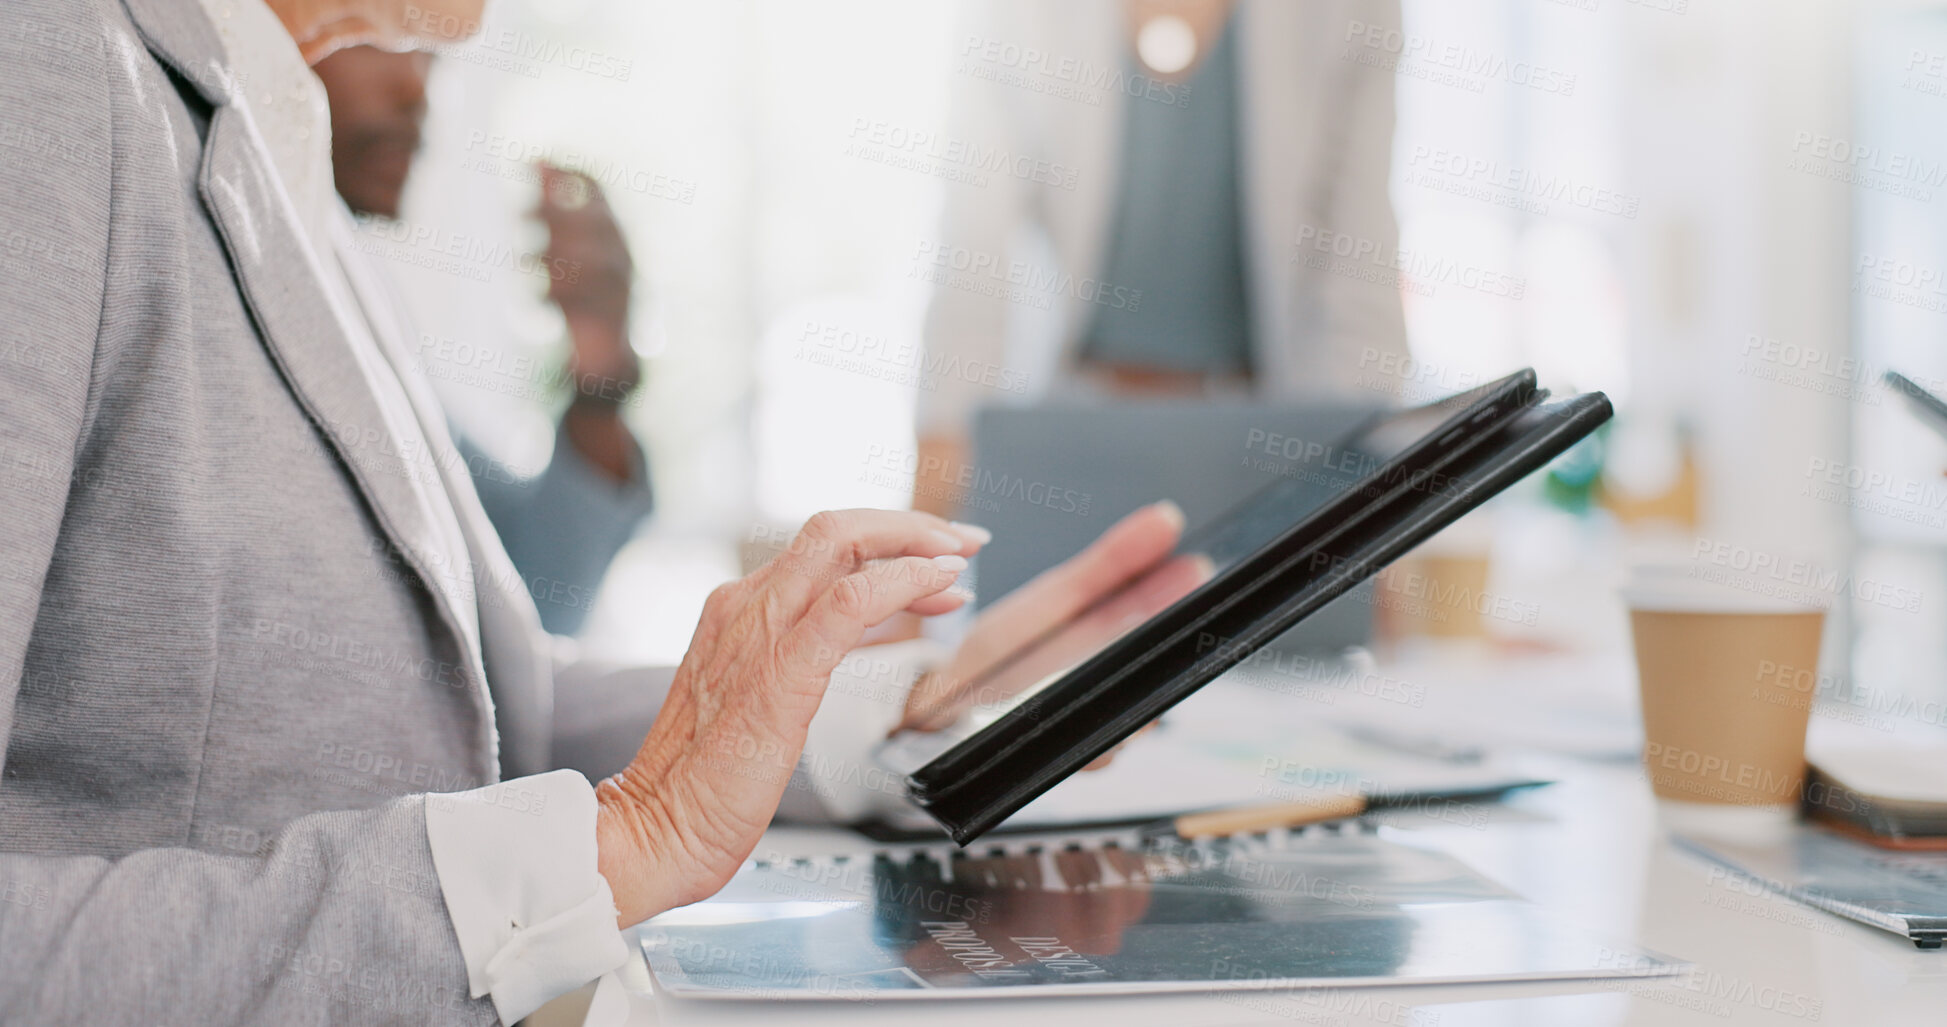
1588 846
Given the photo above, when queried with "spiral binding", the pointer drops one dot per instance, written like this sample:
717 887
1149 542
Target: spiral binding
1131 839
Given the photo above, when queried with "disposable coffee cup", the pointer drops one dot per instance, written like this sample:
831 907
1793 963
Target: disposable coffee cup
1721 667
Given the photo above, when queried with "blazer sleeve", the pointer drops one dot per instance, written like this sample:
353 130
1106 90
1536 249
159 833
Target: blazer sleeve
1358 322
338 918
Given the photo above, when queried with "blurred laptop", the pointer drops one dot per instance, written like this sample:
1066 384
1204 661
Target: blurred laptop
1047 480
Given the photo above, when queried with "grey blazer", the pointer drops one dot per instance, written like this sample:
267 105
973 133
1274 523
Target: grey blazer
236 648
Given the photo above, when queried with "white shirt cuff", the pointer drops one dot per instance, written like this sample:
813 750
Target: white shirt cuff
516 863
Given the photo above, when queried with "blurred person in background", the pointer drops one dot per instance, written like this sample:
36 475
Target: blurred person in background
563 526
1205 161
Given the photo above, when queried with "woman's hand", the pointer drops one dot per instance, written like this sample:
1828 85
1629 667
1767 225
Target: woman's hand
677 822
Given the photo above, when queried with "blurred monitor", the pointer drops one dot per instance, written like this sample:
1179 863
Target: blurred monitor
1049 479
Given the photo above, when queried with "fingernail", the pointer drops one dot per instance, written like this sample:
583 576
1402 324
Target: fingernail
1169 509
949 540
974 533
953 563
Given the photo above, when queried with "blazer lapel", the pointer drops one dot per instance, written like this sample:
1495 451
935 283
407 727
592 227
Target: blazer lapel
338 383
179 36
512 642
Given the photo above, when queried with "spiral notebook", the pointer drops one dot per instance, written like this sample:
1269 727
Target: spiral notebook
1337 905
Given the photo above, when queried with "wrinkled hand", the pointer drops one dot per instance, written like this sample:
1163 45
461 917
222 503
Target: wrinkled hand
1134 549
675 824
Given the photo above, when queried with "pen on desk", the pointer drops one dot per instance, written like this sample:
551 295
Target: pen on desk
1262 817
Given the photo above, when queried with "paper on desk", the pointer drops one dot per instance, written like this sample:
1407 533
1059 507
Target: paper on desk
1310 909
1234 744
1576 704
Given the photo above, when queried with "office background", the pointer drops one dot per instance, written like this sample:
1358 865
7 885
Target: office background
1727 215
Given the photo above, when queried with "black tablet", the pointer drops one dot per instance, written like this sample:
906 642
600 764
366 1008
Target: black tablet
1229 589
1925 405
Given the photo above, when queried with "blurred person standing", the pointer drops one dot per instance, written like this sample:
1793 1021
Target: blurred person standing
1204 161
563 526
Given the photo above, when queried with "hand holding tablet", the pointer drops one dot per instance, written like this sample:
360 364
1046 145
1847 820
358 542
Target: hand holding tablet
1069 689
1122 579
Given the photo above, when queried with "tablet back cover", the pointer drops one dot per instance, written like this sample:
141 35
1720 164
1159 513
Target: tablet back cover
981 781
